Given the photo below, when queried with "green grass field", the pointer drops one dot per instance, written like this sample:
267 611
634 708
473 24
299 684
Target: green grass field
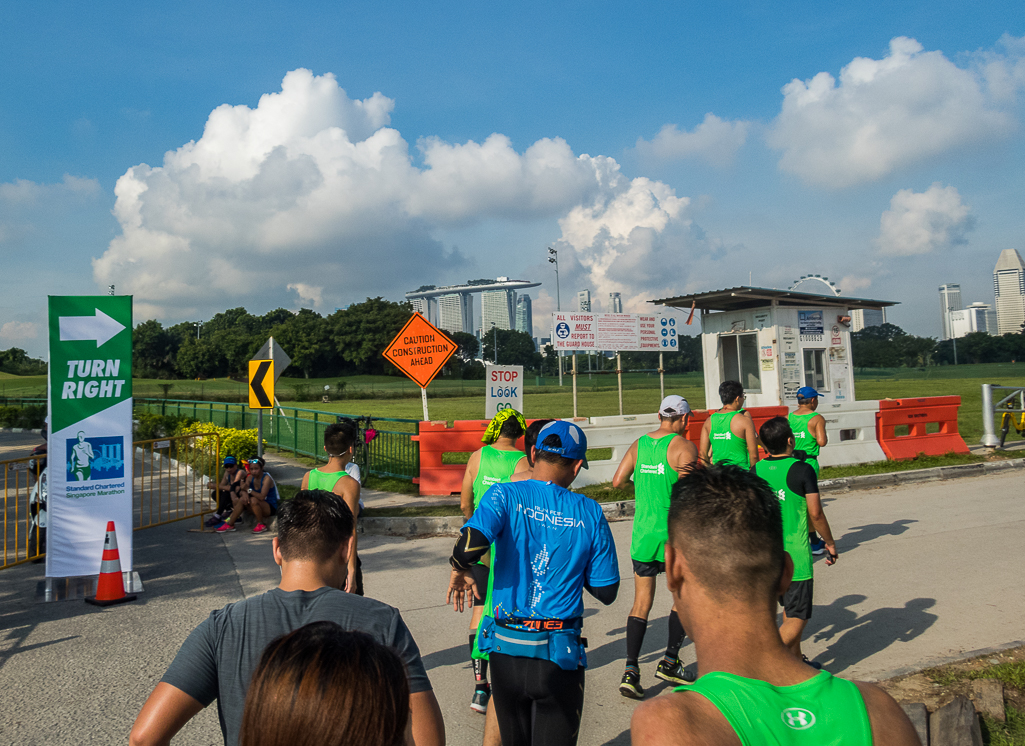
597 395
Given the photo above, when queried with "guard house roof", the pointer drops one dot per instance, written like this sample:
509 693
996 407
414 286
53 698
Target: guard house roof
740 298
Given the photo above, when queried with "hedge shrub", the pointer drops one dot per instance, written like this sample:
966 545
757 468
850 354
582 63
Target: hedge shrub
31 417
234 442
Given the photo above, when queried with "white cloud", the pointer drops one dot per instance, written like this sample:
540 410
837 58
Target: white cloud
715 140
308 293
889 113
18 330
312 192
21 192
853 283
923 222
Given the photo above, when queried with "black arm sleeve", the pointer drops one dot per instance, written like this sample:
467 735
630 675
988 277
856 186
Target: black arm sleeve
604 593
471 546
801 479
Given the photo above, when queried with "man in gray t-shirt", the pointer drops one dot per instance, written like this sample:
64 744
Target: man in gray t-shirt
217 660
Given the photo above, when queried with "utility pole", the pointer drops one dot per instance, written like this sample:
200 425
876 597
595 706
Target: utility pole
553 258
950 326
493 326
198 325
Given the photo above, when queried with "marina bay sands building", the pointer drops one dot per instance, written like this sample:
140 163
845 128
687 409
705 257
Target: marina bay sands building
451 307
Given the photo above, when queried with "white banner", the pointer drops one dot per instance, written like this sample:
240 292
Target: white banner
90 452
617 332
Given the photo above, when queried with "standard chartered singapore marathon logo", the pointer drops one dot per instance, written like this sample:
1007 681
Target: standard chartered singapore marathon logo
798 718
658 469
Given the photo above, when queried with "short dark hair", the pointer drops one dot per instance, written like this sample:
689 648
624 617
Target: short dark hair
729 391
339 437
511 428
727 523
530 438
312 525
554 441
776 435
329 685
802 401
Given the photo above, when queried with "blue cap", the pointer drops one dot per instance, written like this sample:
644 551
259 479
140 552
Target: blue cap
573 442
229 461
807 392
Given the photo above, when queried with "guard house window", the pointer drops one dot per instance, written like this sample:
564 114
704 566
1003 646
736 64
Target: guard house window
740 360
815 369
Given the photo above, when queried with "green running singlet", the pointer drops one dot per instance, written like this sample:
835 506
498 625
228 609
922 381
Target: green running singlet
653 481
823 709
325 480
495 466
803 439
795 513
727 448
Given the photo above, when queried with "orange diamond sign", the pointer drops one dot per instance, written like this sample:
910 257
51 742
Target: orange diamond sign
420 350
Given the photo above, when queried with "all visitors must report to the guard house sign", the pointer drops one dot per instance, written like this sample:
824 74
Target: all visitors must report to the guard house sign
90 432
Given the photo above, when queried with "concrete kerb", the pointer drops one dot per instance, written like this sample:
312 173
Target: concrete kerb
411 527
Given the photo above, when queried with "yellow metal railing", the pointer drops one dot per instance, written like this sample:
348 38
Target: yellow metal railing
171 478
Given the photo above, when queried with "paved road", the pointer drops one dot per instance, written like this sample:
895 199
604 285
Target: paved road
926 572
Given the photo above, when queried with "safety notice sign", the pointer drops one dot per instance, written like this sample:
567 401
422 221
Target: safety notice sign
619 332
420 350
90 434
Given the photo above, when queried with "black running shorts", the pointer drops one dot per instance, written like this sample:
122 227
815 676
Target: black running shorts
796 602
536 702
648 569
480 577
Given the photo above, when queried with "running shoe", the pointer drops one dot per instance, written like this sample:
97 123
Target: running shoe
259 528
818 546
214 520
817 666
630 686
225 528
674 672
481 697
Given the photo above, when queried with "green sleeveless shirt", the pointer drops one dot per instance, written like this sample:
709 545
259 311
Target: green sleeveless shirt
653 480
803 439
823 709
495 466
795 513
727 447
320 480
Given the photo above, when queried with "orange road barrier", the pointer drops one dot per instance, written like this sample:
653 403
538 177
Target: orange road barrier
436 439
937 414
110 587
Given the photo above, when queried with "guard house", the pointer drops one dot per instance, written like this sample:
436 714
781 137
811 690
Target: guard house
776 341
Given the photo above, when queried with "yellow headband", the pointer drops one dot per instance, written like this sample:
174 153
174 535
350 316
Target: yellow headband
495 426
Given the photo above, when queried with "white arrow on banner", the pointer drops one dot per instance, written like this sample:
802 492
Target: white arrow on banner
100 327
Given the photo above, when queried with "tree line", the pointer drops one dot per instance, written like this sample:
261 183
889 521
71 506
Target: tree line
889 346
15 360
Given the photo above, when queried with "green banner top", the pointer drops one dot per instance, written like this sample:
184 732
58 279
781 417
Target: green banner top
90 355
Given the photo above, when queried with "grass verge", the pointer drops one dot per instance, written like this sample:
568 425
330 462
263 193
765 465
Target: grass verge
919 462
1010 733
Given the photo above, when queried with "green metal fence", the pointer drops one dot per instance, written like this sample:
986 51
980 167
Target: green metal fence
391 454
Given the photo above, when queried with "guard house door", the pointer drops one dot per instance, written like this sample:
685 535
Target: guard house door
815 369
740 361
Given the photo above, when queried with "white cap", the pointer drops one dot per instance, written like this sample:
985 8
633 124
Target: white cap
674 406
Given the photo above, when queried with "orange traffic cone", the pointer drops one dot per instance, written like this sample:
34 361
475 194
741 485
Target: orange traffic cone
110 588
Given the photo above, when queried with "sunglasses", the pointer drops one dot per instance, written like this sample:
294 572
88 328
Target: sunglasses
254 461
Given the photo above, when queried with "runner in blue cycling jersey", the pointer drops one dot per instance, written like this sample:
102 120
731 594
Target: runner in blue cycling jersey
550 545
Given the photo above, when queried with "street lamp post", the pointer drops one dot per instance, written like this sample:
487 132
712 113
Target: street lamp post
950 326
495 327
553 258
199 327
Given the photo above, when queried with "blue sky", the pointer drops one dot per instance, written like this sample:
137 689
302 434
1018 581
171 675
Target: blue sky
494 134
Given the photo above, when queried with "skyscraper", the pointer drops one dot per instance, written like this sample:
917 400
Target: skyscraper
497 307
975 318
862 317
584 301
950 300
1009 288
615 303
455 312
524 315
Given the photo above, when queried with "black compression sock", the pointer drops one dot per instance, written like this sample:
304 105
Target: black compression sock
676 635
635 629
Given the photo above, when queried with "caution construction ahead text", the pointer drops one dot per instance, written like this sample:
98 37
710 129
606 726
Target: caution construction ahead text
420 350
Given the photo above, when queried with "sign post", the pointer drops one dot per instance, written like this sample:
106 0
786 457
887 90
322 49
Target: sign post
261 394
279 359
420 350
90 434
504 389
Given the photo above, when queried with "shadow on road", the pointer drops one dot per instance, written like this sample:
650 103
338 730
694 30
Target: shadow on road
873 632
858 535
